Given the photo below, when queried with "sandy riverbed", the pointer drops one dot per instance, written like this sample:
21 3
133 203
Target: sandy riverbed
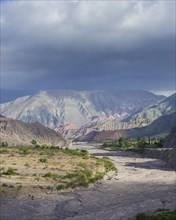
141 184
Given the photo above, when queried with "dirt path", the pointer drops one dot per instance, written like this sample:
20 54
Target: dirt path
141 184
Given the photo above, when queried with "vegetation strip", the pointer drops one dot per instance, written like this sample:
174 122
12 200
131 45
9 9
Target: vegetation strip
50 168
159 215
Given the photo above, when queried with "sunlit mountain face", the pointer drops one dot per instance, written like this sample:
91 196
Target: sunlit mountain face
60 107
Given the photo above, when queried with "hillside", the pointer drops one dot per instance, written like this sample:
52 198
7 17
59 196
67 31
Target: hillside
60 107
160 126
149 114
95 136
139 119
97 126
170 140
16 132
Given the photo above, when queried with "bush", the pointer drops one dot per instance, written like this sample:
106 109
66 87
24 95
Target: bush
10 171
34 142
80 153
82 178
109 166
60 187
4 144
43 160
124 143
71 175
37 146
27 165
49 174
163 215
98 176
25 151
3 151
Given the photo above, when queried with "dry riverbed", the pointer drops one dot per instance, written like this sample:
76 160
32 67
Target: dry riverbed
141 185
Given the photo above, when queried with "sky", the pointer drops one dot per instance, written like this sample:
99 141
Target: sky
87 45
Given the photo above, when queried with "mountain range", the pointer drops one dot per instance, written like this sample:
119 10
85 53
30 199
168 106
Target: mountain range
60 107
146 116
155 120
149 114
161 126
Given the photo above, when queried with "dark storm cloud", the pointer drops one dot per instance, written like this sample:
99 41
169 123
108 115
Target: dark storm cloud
88 45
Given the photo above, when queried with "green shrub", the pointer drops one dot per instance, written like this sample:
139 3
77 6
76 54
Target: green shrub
80 153
138 143
25 151
34 142
10 171
55 176
49 174
80 178
1 168
60 187
43 160
71 175
4 151
109 166
112 145
27 164
72 185
163 215
98 176
82 165
37 146
124 143
4 144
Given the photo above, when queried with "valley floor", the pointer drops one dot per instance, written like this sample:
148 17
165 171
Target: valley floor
141 185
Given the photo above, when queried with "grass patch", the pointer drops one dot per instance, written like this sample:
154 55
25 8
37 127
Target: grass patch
10 171
109 166
59 168
3 151
27 165
1 168
24 151
52 175
43 160
160 215
60 187
71 175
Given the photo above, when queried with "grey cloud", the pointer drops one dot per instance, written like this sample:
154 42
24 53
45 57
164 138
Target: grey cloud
88 45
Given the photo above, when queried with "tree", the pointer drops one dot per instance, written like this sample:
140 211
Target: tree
34 142
124 143
4 144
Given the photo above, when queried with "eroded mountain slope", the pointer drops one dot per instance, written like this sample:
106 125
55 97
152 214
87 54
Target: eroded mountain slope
17 132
